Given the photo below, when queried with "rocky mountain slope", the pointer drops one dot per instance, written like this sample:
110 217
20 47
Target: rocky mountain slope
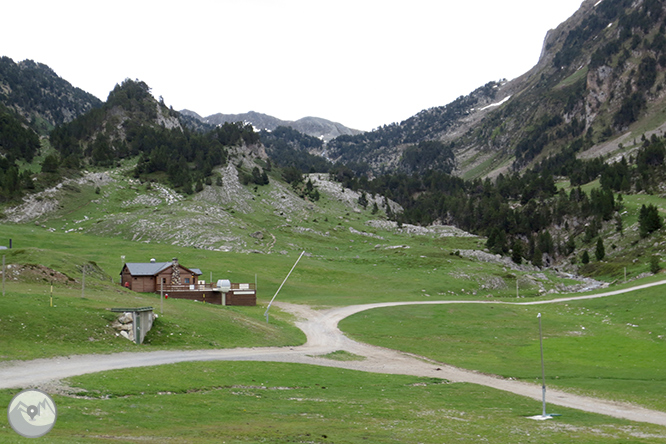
312 126
225 216
600 75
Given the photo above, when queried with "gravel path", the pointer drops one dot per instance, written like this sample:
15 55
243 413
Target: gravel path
323 336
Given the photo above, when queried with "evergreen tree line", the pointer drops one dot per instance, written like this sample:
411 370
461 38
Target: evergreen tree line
188 158
426 125
17 142
288 147
517 212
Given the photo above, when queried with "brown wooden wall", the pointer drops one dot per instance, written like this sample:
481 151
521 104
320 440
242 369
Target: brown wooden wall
141 284
212 297
233 298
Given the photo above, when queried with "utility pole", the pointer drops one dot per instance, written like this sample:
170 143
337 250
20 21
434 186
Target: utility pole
285 280
83 282
543 370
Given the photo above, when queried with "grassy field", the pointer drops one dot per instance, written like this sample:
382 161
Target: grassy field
355 272
31 328
612 348
235 402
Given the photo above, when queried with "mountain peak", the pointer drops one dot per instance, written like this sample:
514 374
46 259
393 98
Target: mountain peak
312 126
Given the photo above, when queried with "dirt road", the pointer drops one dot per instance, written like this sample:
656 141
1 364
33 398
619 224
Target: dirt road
323 336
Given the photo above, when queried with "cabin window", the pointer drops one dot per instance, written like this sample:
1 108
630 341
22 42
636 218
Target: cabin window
187 280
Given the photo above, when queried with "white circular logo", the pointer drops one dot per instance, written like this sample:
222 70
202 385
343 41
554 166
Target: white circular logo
32 413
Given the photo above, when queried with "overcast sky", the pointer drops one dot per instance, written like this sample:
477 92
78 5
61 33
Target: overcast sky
363 63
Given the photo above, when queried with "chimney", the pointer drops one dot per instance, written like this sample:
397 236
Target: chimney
175 272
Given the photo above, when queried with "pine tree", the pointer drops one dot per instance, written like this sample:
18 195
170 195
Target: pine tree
600 251
654 265
363 200
537 259
517 252
649 220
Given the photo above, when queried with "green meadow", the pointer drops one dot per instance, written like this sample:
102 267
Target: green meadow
612 348
236 402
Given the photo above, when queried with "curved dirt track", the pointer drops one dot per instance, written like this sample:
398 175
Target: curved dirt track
323 336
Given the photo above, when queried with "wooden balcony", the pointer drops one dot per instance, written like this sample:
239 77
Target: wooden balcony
170 288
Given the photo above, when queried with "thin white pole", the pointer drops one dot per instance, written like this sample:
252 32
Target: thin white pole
285 280
543 370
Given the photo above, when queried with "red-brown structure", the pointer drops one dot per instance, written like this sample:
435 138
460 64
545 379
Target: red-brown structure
180 282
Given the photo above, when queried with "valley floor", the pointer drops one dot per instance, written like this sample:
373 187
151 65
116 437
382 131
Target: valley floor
323 337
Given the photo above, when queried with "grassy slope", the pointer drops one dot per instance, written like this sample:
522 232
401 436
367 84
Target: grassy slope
277 403
30 328
612 348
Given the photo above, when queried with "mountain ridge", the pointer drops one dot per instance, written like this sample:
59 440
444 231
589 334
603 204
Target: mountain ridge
600 73
318 127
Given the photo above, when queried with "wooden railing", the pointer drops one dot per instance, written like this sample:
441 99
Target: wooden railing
203 287
186 287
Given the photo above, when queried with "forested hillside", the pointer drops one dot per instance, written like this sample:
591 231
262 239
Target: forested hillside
35 92
132 123
17 142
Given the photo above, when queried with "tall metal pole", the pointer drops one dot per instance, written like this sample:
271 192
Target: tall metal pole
83 283
543 370
285 280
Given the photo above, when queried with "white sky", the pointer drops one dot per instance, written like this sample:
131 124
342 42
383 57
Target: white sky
363 63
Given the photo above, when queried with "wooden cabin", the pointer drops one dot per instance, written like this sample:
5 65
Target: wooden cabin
149 277
181 282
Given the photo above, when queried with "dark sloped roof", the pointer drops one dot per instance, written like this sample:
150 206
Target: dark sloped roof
153 268
146 268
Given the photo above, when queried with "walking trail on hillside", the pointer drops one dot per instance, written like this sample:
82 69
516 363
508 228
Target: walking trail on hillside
323 336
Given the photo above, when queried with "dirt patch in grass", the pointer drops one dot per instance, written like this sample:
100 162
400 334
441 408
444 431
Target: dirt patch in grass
36 273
